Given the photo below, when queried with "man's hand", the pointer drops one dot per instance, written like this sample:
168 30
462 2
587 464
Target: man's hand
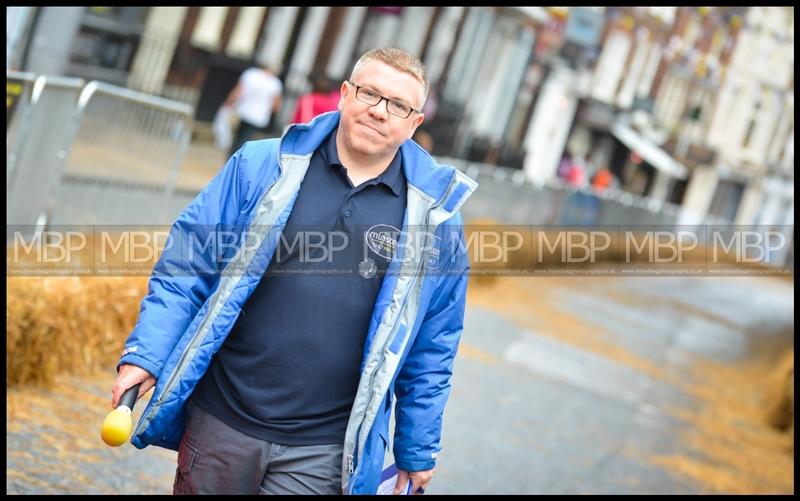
128 376
419 481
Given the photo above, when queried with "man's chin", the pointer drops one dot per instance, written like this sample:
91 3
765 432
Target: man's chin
368 148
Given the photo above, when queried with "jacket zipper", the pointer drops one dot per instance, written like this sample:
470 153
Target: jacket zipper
352 459
213 300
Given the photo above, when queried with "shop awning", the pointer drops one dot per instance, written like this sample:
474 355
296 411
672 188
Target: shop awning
649 151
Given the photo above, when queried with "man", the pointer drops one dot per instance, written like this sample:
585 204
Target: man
256 98
285 384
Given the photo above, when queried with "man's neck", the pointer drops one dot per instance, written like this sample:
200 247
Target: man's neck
360 168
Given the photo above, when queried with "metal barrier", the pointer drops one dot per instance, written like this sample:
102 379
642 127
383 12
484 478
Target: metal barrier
130 140
507 196
96 154
86 198
19 86
38 148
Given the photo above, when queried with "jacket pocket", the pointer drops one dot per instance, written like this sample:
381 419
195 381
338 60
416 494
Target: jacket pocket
186 457
183 479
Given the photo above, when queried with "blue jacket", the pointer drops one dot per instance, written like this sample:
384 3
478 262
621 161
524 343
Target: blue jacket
415 326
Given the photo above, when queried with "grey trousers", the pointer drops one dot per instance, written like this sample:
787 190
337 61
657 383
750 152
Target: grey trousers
214 458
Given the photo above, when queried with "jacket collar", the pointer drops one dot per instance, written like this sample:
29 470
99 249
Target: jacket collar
419 168
392 177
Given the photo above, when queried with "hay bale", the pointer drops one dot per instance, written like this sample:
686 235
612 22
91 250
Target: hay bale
531 250
74 325
65 319
495 249
779 408
578 250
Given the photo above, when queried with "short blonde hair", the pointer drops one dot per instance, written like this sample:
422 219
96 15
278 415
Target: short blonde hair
399 60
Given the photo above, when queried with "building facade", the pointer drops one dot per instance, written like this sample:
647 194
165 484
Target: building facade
692 106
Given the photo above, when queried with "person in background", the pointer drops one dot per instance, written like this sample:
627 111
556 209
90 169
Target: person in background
324 97
604 179
256 98
572 170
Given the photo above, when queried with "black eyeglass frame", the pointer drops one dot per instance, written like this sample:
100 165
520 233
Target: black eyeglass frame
381 98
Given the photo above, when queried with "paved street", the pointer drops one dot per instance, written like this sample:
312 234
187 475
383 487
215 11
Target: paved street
562 385
623 385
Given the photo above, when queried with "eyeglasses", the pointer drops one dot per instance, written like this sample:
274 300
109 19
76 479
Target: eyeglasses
370 97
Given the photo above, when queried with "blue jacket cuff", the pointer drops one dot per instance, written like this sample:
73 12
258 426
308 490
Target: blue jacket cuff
415 464
138 360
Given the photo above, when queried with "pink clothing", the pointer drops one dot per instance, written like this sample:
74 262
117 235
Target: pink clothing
311 105
572 172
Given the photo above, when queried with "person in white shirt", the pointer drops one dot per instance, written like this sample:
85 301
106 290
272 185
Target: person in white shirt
256 98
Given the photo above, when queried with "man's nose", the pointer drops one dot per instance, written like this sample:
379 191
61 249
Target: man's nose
379 109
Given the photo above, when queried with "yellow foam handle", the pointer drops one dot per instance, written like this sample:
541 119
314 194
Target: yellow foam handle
117 426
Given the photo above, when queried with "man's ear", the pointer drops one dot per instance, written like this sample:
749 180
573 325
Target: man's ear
343 90
416 123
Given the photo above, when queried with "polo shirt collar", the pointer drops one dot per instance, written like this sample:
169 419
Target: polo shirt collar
392 177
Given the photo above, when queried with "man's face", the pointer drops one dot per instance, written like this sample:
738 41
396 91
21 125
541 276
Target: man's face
371 130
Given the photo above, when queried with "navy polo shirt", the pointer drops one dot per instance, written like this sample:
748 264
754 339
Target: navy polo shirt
289 369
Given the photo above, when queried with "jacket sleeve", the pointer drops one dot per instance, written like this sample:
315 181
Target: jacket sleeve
186 271
423 383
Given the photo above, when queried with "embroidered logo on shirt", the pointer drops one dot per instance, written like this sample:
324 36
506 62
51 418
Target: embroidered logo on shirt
382 240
